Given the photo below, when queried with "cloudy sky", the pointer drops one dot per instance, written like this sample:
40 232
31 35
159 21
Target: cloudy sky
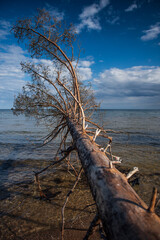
121 40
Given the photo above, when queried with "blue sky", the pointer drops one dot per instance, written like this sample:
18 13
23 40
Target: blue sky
121 42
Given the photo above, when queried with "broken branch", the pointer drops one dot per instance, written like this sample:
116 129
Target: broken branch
66 200
131 173
153 200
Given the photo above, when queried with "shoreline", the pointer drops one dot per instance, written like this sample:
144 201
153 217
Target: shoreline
25 215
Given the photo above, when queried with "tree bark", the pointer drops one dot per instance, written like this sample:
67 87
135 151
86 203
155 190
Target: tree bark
123 214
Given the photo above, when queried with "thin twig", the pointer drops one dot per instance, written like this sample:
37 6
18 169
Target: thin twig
69 164
77 216
62 142
55 135
36 180
95 124
56 162
66 200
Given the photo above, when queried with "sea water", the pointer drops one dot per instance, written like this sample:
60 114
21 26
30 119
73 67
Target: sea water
20 136
138 143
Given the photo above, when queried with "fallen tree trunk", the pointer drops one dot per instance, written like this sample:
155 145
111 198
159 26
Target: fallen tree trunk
123 214
58 94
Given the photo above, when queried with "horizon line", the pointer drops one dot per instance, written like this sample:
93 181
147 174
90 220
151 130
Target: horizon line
108 109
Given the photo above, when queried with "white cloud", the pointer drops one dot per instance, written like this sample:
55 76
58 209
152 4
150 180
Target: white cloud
84 69
5 24
54 12
85 63
93 9
12 78
84 73
88 17
4 29
137 74
151 33
131 7
128 86
10 69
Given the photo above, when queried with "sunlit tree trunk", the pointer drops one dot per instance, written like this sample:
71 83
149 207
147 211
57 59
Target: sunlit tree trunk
123 214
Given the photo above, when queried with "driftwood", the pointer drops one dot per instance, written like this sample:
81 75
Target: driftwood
131 173
123 214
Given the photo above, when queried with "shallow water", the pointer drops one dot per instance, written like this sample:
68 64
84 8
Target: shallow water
24 215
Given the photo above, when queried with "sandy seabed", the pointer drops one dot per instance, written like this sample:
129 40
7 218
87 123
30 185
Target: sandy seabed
24 214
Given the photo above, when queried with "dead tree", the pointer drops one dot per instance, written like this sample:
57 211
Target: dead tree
56 94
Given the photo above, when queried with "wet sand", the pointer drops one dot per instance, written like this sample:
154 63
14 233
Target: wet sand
24 214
